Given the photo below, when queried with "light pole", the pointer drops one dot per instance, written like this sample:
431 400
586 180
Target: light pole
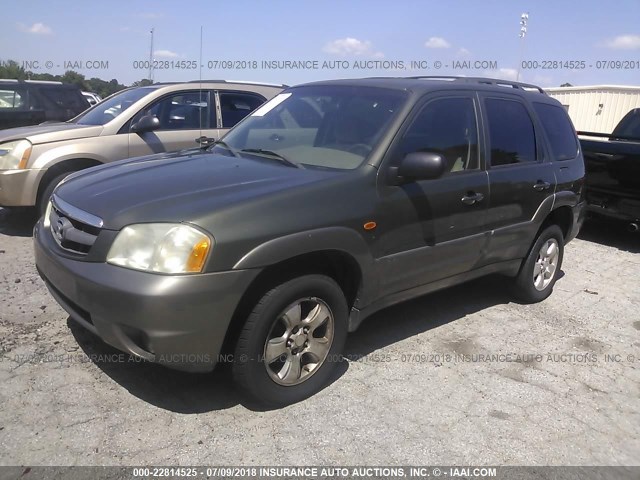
524 19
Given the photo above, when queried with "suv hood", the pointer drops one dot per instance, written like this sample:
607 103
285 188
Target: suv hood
179 187
50 132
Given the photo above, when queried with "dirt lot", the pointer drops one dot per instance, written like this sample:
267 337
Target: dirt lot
421 386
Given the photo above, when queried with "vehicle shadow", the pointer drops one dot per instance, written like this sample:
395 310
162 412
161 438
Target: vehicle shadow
191 393
179 392
17 222
611 234
425 313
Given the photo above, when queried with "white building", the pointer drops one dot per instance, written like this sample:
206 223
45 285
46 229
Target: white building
597 108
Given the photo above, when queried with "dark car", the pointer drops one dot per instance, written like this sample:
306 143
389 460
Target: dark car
330 202
613 171
31 102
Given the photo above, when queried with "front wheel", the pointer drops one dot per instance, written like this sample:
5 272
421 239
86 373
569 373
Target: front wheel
43 199
540 270
291 341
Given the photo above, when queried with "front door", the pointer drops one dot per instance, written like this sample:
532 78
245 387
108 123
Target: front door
184 117
433 229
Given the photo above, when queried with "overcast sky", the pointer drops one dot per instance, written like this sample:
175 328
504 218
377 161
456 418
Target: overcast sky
450 32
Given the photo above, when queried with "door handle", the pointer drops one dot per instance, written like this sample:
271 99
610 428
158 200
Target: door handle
471 197
540 185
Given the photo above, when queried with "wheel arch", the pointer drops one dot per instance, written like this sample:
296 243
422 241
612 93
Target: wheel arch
70 165
339 265
561 216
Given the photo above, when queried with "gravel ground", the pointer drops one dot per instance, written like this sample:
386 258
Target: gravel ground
419 387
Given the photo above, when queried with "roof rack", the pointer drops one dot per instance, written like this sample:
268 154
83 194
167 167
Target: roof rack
46 82
247 82
486 81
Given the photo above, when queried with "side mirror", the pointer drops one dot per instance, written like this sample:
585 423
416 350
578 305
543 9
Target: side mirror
421 166
147 123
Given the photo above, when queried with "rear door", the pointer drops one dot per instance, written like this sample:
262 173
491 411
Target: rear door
433 229
184 117
521 175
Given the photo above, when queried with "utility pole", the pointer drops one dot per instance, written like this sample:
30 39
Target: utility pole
151 58
524 20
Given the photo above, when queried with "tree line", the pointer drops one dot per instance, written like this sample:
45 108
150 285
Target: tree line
10 69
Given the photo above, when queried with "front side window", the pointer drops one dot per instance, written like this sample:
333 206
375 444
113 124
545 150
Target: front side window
112 106
332 126
629 126
448 127
181 111
235 106
511 133
557 126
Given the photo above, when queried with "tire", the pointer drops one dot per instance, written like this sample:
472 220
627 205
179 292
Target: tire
307 357
545 259
43 199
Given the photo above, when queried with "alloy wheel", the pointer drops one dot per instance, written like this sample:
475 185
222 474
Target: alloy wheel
299 341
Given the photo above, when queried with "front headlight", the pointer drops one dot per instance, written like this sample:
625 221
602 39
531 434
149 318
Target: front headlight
160 247
14 154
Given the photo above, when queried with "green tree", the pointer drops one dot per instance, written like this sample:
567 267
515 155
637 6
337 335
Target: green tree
10 69
74 77
145 82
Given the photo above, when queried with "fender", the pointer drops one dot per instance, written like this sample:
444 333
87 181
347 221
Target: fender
544 209
340 239
566 199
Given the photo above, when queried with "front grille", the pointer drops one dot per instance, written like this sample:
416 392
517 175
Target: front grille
73 229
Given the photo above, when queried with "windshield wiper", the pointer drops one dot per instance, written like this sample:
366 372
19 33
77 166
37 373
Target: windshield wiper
224 145
272 154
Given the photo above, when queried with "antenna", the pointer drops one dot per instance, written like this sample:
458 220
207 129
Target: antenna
200 80
151 58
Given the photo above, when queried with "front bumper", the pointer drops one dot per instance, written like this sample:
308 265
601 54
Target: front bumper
177 320
19 188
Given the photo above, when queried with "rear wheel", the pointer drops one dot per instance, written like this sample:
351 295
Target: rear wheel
540 269
291 341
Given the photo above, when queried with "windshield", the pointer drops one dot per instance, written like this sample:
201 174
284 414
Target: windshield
331 126
113 106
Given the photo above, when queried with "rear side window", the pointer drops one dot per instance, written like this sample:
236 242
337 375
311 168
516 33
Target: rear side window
235 106
13 99
65 99
557 126
511 134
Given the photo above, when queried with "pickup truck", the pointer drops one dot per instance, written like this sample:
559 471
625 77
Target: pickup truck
613 171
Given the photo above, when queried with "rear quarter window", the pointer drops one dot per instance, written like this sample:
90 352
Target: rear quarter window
557 126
